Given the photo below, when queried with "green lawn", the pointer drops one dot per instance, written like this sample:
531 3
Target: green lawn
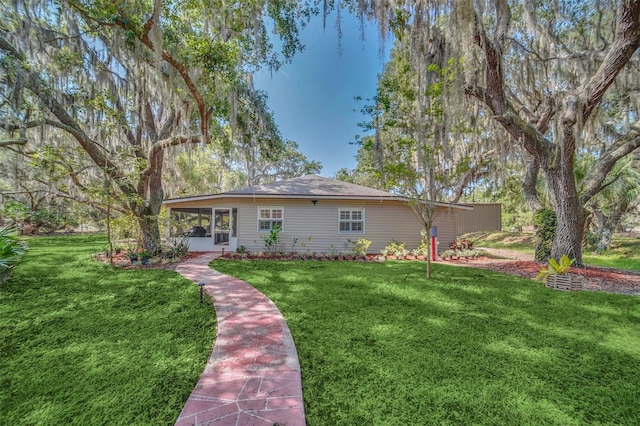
84 343
624 253
519 241
381 345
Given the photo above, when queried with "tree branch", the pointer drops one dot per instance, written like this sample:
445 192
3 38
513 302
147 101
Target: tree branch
126 23
592 183
161 145
34 83
493 96
627 40
9 142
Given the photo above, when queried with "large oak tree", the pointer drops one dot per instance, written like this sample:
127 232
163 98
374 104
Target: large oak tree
129 80
546 72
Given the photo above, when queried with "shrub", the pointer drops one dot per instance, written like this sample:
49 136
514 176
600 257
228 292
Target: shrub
422 248
461 244
402 252
545 222
271 240
11 249
394 247
467 253
447 253
561 267
591 241
178 248
360 247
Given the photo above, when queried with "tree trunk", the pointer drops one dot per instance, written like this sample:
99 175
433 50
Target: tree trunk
148 221
607 225
604 239
570 215
428 256
556 158
150 232
529 190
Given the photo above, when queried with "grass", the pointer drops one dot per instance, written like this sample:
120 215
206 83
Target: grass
523 242
624 253
380 344
84 343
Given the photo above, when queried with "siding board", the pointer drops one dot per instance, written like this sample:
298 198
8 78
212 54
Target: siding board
316 226
483 217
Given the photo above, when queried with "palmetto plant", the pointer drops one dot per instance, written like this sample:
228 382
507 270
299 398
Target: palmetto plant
556 267
11 248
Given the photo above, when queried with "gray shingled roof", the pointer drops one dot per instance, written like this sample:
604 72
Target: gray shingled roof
312 185
303 187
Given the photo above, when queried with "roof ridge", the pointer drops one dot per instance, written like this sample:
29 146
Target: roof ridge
312 185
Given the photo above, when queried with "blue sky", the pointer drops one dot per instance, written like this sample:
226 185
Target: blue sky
312 98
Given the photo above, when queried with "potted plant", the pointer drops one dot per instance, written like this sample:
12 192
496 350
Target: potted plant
556 275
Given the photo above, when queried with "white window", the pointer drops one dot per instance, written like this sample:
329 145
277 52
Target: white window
268 217
351 221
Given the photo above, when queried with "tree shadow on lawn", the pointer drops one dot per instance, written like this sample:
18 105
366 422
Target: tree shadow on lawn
82 340
381 343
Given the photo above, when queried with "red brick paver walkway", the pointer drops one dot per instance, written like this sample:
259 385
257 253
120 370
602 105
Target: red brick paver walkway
252 376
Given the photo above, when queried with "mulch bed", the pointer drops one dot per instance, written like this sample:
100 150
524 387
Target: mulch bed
595 279
121 260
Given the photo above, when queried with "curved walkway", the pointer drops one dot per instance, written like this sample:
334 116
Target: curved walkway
252 376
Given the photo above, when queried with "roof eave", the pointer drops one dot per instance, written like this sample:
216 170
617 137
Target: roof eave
292 196
308 197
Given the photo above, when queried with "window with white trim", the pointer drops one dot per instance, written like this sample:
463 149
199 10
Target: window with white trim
351 221
268 217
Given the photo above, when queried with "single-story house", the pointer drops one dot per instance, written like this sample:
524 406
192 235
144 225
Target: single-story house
316 214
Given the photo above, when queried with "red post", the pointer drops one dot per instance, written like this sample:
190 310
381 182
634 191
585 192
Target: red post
433 248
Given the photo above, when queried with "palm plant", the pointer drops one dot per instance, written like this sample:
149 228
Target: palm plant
11 249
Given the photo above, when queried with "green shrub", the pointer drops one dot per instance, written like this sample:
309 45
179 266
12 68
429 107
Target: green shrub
271 240
545 222
178 248
422 248
11 249
395 246
591 241
447 253
360 247
556 268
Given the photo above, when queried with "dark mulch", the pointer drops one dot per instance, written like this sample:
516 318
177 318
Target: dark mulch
121 260
595 279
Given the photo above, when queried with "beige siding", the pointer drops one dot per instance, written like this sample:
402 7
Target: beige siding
483 217
445 220
316 226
